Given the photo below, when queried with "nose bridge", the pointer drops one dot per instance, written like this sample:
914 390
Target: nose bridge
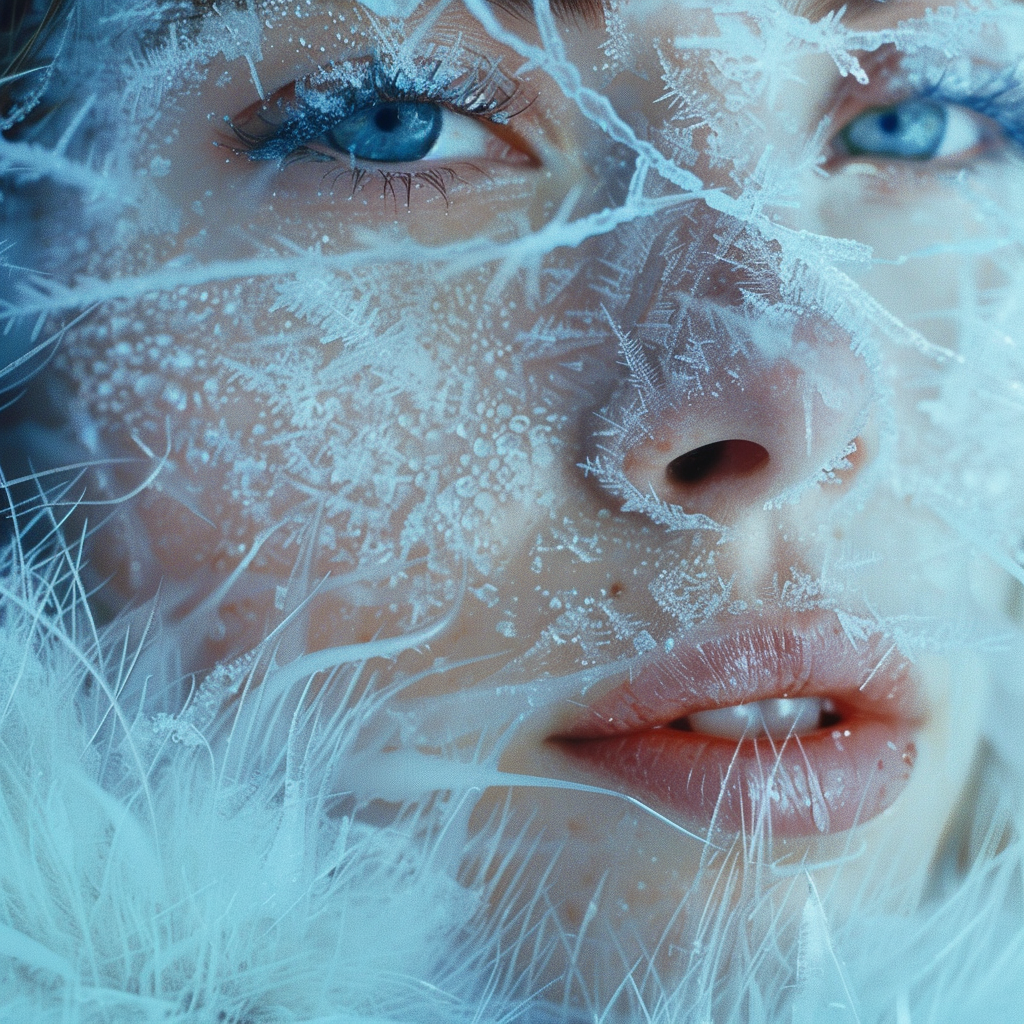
720 264
734 399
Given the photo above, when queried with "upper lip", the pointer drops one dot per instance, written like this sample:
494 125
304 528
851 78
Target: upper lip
809 656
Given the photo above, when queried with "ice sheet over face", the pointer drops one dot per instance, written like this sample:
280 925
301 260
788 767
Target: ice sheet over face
371 411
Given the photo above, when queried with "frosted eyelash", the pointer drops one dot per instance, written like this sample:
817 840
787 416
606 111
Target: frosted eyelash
1002 100
994 93
336 92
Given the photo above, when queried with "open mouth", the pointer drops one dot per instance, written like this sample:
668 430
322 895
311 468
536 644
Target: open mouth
770 729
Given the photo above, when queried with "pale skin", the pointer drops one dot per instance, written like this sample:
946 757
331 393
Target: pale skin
468 417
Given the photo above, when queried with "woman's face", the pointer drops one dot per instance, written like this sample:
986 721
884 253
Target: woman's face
634 403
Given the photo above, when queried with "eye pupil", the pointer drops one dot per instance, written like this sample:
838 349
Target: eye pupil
889 122
386 117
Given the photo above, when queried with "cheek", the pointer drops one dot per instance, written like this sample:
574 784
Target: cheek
390 435
944 264
938 240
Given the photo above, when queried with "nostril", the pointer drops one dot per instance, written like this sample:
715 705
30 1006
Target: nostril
716 461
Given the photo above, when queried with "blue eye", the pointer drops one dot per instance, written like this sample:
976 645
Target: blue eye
393 132
912 130
363 114
916 129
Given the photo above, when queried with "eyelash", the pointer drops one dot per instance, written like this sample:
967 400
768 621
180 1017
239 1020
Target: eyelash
1001 98
321 101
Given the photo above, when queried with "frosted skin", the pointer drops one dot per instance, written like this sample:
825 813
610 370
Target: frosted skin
356 411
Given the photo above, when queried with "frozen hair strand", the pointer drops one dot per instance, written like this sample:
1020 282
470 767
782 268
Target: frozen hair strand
27 30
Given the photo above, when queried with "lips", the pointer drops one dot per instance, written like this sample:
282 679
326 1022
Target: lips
817 779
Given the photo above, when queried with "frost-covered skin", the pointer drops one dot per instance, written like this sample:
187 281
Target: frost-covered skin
440 400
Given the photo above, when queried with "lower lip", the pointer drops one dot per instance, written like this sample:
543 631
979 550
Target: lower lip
820 783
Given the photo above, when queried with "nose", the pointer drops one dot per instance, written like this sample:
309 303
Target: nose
724 410
757 441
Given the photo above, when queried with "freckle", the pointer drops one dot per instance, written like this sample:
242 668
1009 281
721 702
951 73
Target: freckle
910 755
881 766
575 826
616 588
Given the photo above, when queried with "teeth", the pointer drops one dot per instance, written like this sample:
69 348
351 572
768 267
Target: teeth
777 718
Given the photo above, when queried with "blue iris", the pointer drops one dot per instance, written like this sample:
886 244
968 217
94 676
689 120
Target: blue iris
912 130
393 132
